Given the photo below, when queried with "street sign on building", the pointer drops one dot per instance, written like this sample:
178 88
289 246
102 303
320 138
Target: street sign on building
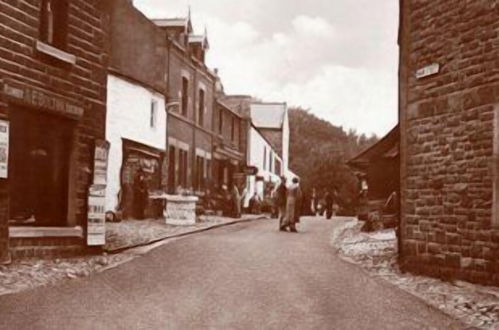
251 170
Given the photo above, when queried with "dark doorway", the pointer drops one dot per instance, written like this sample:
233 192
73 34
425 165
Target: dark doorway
171 169
39 167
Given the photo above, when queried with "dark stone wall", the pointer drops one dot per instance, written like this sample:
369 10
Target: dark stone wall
138 46
448 135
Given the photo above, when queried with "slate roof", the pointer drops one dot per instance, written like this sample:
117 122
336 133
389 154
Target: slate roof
268 115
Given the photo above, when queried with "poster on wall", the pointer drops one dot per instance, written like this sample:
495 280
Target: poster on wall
100 162
4 148
96 224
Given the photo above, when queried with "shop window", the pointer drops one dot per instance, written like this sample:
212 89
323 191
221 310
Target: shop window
185 95
154 113
208 170
201 108
171 169
182 159
53 22
199 184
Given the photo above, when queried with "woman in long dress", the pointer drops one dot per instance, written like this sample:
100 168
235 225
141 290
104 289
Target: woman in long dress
291 203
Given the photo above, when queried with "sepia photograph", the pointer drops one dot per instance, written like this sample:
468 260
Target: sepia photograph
260 164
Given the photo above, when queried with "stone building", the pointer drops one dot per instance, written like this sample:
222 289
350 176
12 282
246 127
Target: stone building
53 65
449 130
228 157
136 118
191 91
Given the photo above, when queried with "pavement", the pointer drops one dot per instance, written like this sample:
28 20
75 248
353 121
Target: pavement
244 276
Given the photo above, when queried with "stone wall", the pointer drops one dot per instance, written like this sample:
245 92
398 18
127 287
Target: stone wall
82 83
448 166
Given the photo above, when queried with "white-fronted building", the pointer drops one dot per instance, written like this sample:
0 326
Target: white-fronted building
136 129
266 159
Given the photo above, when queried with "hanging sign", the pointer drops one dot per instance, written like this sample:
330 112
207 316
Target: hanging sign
251 170
4 148
96 223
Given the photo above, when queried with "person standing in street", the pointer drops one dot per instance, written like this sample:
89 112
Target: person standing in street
280 202
313 202
299 201
140 194
329 204
236 202
291 203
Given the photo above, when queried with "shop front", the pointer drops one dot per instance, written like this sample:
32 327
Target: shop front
39 152
141 176
227 165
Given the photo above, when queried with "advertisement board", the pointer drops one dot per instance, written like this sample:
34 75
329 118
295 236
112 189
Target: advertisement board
96 225
4 148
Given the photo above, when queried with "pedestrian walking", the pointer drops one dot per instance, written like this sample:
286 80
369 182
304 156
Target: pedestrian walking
329 204
299 201
236 202
291 203
313 202
280 202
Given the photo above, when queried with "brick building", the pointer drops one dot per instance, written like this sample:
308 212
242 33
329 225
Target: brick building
191 91
228 157
53 65
449 128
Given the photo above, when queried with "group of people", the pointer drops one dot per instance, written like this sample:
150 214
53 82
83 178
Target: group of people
323 203
288 200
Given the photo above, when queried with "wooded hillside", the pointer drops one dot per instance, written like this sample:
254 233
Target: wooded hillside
319 151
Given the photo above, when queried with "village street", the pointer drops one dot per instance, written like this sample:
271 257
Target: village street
244 276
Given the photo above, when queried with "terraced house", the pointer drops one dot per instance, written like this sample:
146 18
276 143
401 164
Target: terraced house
449 128
191 88
53 66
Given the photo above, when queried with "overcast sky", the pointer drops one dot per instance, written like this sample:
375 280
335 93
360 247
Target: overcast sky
338 58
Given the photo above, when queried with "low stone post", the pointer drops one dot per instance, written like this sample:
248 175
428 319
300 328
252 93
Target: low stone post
180 210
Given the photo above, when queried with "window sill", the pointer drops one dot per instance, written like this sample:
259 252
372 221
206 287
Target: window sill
55 52
33 232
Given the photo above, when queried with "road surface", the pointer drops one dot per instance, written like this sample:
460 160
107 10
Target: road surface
244 276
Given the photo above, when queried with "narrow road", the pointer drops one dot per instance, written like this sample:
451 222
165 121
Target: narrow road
245 276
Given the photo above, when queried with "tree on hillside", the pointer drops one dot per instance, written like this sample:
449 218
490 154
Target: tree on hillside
319 152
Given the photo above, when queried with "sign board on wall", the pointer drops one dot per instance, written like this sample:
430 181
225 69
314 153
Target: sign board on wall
100 162
4 148
96 225
96 216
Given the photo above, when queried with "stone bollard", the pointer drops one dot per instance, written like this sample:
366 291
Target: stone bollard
180 210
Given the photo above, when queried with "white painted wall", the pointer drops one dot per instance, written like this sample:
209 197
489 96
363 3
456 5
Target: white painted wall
128 116
257 144
285 140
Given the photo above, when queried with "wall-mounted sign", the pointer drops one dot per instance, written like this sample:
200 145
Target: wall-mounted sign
428 71
41 99
251 170
100 162
4 148
96 220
